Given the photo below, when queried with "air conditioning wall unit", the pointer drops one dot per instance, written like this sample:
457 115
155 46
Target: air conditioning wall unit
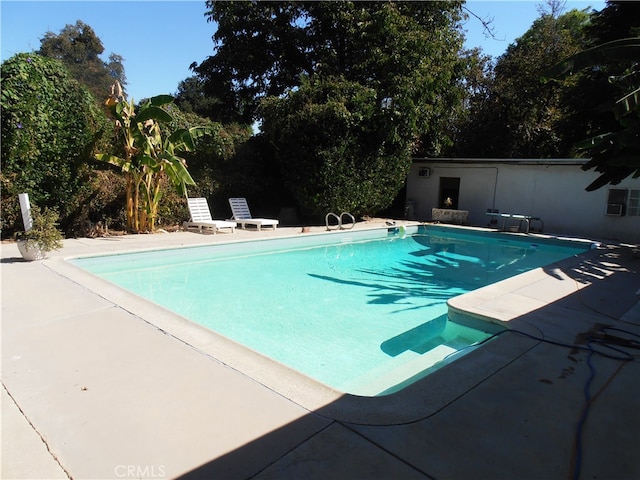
615 209
424 172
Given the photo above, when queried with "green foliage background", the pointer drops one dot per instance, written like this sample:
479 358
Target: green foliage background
50 126
517 115
336 147
346 91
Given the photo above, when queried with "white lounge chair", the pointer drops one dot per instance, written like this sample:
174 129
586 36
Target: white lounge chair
201 217
242 215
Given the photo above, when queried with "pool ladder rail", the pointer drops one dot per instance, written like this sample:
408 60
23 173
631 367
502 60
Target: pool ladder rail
339 225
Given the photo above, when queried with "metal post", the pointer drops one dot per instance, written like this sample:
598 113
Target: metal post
25 206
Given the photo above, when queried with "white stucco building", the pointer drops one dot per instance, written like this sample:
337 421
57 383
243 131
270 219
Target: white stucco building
550 189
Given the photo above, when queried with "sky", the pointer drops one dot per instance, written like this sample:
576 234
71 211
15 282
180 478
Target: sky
160 39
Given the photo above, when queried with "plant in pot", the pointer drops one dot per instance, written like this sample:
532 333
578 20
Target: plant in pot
42 237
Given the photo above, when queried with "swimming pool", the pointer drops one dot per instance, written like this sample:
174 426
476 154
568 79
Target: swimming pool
362 312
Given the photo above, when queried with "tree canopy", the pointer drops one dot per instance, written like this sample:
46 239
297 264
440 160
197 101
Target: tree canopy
79 48
609 83
516 115
404 54
616 153
262 48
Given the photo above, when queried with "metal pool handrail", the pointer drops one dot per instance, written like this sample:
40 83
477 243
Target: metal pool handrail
339 219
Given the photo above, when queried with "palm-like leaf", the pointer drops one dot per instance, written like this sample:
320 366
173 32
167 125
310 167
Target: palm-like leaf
613 154
161 100
623 49
153 113
113 160
178 174
627 104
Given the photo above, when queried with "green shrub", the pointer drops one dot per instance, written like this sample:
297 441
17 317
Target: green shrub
44 229
338 149
50 125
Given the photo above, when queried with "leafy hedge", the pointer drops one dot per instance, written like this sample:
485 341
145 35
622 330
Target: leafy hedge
50 126
337 146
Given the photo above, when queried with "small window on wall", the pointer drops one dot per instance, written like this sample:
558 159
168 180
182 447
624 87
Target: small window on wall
617 201
633 205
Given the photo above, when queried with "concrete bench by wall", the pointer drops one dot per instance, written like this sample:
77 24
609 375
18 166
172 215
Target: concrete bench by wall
447 215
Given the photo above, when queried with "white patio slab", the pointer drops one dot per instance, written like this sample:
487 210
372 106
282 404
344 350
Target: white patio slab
98 390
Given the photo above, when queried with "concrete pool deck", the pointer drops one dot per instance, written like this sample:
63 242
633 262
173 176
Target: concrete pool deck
93 388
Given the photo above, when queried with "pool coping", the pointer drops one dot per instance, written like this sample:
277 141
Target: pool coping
501 303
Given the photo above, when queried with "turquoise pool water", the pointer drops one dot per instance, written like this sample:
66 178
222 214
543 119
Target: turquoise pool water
363 312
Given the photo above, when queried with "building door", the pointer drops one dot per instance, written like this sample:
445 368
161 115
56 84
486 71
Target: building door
449 192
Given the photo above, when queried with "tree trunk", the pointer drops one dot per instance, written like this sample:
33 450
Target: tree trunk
130 204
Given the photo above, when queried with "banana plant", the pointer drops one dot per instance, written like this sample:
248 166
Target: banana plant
149 153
